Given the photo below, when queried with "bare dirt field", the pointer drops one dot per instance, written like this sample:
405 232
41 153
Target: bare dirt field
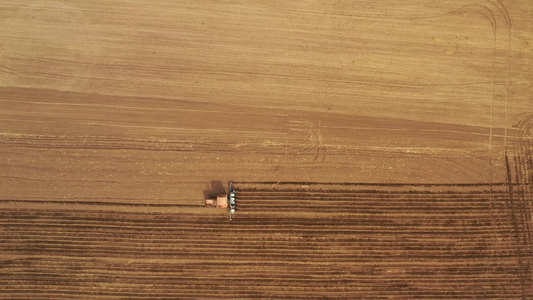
379 150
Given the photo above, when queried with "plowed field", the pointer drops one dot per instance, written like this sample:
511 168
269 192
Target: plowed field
380 150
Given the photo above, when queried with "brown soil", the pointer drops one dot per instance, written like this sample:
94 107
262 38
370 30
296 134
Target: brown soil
379 150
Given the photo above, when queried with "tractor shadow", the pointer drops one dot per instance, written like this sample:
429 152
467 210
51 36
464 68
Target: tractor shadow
216 187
